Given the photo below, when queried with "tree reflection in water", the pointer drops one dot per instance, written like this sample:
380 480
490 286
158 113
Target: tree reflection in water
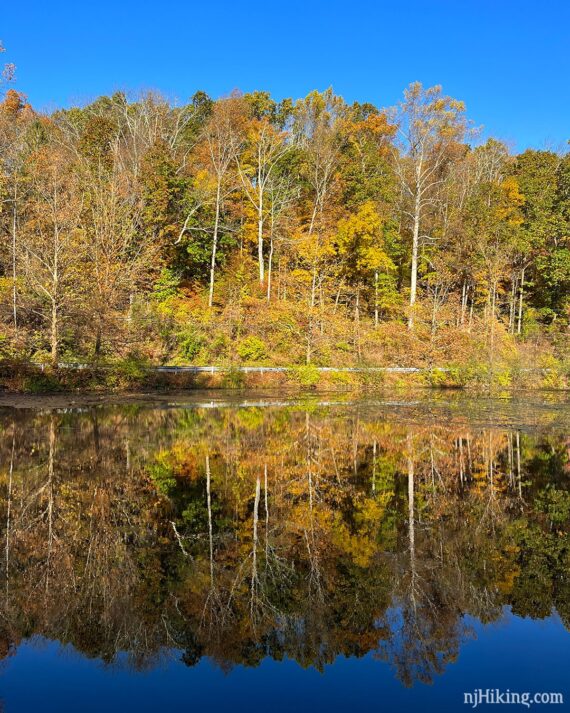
300 532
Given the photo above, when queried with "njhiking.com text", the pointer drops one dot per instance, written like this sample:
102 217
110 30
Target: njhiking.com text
495 696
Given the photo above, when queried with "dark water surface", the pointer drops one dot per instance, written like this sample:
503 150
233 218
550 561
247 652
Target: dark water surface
223 553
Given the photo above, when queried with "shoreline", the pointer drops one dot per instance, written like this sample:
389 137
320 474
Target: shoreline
132 378
278 396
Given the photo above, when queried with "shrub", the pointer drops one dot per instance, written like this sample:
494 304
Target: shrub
552 372
233 378
449 377
341 378
162 475
307 375
166 285
133 366
252 349
438 377
503 377
371 379
42 382
219 345
190 344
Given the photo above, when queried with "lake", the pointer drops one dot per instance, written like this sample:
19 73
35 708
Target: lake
229 552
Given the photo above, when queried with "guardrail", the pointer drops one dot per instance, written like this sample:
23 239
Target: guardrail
245 369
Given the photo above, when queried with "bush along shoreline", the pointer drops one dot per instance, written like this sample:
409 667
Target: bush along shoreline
136 375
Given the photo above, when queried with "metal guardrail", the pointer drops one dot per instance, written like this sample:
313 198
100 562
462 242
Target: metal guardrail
244 369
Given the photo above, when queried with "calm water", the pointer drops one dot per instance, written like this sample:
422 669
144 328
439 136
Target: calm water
224 555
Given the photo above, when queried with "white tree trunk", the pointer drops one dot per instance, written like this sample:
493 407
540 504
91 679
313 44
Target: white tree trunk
415 246
260 238
214 247
521 293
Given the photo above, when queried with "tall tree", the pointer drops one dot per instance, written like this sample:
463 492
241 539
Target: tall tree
51 241
429 124
15 116
264 148
220 143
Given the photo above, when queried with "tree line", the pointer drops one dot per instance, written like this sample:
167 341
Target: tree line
307 231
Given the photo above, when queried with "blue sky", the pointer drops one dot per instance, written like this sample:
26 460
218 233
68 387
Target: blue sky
509 61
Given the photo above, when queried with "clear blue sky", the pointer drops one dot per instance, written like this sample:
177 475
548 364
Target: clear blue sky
509 61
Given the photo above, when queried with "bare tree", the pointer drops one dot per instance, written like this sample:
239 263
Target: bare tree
429 124
221 140
51 242
265 147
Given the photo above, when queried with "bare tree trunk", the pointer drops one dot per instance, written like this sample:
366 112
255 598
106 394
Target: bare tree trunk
491 464
322 308
51 473
54 298
9 506
510 457
519 480
269 269
214 247
313 286
357 322
434 314
14 274
512 305
260 239
54 332
210 529
414 274
130 311
521 292
266 503
376 298
492 338
411 519
254 540
309 340
463 303
313 216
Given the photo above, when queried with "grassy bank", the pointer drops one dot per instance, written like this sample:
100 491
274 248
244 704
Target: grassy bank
137 375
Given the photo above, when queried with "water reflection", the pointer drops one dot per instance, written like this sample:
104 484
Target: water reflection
303 532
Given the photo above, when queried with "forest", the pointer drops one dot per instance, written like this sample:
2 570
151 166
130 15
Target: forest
302 233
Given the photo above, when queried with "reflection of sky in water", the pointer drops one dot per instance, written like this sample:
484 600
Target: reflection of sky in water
519 654
313 557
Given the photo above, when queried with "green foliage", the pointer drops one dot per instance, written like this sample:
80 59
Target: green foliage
190 344
250 418
233 378
444 377
307 375
162 475
553 372
132 367
252 349
555 504
42 382
166 286
342 378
